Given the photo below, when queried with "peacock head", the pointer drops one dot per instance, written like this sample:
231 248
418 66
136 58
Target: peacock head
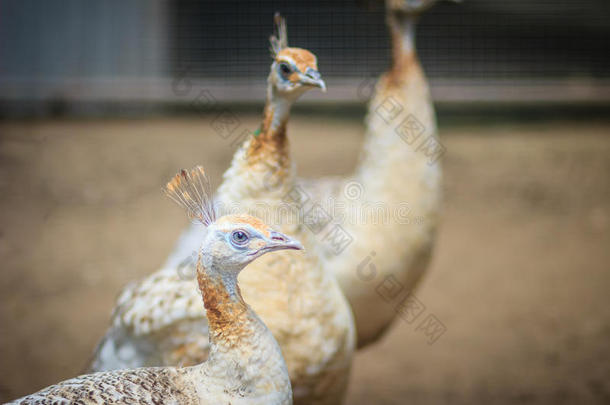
294 70
232 241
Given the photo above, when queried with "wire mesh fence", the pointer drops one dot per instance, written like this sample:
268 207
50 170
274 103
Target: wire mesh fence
476 39
117 51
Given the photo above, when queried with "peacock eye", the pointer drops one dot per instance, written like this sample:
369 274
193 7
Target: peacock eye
239 237
285 69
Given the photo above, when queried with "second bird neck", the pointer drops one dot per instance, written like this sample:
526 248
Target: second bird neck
271 142
262 166
276 113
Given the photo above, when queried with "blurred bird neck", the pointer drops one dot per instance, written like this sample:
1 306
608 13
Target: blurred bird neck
401 146
276 114
261 168
272 135
270 145
402 30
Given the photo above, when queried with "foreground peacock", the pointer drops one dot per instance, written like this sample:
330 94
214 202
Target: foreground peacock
159 321
245 365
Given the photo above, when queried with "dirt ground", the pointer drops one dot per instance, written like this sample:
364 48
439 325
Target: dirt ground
520 277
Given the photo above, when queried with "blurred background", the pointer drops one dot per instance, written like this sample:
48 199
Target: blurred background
77 57
102 101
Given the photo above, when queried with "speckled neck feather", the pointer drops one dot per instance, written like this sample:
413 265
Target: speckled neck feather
226 310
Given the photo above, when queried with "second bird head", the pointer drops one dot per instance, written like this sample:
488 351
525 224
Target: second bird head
294 70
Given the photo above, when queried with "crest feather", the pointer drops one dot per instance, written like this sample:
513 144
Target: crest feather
193 192
279 40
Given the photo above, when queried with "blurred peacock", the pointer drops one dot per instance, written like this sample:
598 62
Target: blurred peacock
400 169
159 321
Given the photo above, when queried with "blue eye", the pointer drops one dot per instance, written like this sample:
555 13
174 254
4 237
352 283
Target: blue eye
239 237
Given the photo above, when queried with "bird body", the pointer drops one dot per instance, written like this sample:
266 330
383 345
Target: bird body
245 363
399 170
300 303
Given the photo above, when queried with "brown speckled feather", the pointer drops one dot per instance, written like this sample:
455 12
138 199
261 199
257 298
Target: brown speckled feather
141 386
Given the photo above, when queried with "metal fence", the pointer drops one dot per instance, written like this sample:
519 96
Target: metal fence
132 50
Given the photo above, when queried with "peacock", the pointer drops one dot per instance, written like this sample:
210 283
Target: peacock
156 321
393 198
245 363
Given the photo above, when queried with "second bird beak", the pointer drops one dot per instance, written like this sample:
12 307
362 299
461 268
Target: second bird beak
313 78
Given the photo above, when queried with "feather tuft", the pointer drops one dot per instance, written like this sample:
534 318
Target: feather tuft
279 40
193 192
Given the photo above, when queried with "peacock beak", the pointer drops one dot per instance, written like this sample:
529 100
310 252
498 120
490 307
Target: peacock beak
313 78
279 241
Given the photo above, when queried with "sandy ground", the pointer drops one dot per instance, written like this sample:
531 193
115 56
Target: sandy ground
520 278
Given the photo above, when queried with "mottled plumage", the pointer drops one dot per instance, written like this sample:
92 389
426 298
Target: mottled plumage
143 386
300 302
244 365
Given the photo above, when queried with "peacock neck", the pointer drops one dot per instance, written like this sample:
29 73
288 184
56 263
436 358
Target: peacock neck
402 27
240 343
261 168
276 113
404 56
226 310
401 124
270 144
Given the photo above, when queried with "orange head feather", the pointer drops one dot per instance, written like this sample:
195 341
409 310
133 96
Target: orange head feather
191 189
294 70
245 219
